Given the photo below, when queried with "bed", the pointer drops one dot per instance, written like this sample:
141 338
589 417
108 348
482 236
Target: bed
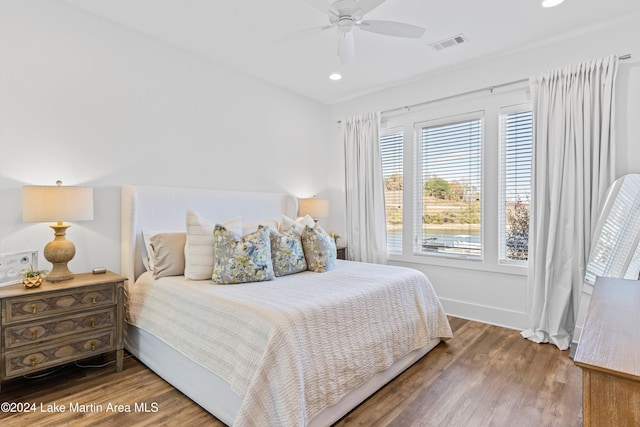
303 349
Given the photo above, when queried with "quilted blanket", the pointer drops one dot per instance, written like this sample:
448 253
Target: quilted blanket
295 345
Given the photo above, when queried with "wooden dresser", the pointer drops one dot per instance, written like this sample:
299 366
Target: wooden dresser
61 322
609 354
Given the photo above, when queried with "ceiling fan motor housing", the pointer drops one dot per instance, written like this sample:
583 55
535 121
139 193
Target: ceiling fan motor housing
345 24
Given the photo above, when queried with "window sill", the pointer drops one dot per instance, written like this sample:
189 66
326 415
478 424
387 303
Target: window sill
467 264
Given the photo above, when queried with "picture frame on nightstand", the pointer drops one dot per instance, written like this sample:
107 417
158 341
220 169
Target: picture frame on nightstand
12 264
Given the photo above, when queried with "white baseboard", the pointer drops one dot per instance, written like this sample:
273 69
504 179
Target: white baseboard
485 314
574 342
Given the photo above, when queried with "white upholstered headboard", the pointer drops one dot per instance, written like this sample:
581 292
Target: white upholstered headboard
164 209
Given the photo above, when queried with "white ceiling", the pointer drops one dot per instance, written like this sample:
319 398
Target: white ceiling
254 36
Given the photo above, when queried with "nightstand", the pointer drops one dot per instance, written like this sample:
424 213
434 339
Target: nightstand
342 252
61 322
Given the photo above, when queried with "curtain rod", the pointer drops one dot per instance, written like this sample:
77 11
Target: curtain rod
487 88
445 98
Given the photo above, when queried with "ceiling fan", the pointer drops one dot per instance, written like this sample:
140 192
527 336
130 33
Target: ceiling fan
345 15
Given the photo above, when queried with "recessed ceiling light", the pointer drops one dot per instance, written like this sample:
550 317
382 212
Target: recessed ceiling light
335 76
551 3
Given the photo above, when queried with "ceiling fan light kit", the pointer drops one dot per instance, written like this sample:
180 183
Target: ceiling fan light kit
346 47
345 15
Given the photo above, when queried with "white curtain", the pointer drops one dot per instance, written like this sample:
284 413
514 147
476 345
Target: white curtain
366 224
573 111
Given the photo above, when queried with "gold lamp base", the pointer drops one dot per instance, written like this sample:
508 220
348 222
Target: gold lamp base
59 252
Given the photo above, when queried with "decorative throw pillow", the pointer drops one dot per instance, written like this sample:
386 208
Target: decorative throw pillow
297 225
147 250
198 250
286 252
253 226
319 249
167 253
241 259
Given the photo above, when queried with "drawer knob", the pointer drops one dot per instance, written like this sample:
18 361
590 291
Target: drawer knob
93 322
33 334
32 359
33 308
94 299
93 346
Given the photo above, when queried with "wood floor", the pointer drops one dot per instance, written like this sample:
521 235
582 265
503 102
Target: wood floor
484 376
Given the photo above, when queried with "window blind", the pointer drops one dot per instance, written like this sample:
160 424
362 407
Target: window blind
616 252
516 134
447 217
391 149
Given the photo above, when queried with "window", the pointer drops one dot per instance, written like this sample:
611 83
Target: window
448 208
457 193
516 134
391 149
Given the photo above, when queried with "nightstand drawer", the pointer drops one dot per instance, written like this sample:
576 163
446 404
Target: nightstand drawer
50 328
51 303
34 359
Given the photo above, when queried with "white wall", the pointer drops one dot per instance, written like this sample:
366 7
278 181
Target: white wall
93 103
497 295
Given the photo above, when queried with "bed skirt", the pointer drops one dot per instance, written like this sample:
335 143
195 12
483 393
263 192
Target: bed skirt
215 395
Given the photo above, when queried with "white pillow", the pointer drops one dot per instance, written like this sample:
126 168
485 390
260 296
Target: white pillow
297 225
198 250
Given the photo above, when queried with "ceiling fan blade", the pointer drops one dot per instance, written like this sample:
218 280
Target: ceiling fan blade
390 28
303 33
323 7
366 6
346 47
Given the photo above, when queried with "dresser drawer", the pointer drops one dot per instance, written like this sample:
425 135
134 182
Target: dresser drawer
31 307
22 362
58 327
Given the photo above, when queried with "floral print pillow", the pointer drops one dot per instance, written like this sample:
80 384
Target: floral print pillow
286 252
241 259
319 249
297 225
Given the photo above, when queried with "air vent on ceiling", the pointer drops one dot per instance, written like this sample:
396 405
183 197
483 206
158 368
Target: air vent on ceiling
448 42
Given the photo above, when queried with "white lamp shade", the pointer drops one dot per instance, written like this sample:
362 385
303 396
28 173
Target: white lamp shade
57 203
315 208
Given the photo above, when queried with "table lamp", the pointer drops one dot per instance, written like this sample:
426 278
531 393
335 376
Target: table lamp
314 207
57 204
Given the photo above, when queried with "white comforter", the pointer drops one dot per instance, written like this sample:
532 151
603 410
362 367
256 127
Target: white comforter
293 346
